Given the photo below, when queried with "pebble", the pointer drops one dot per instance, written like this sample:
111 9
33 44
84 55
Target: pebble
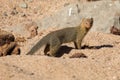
23 15
14 12
30 0
5 14
23 5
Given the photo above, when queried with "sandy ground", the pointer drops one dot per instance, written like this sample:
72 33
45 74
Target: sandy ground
102 61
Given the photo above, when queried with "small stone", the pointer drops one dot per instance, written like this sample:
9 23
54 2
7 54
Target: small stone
66 4
32 28
30 0
78 55
23 15
23 5
5 14
31 73
14 12
73 76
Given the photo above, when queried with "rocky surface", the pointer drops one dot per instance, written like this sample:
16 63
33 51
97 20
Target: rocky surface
99 59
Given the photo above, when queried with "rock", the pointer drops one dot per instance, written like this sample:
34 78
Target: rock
5 14
6 37
9 49
14 12
117 20
71 15
78 55
66 4
7 44
30 0
20 39
115 30
23 15
32 28
93 0
23 5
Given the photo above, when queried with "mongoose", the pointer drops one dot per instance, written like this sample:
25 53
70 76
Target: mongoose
53 40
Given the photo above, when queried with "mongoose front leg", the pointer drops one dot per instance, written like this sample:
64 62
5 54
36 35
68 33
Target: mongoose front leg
79 39
75 45
78 44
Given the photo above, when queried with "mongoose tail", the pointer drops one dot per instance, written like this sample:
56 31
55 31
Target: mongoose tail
38 45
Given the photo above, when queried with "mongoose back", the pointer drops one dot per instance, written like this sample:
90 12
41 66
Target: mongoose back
53 40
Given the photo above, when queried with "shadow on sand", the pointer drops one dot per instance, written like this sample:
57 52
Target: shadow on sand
66 49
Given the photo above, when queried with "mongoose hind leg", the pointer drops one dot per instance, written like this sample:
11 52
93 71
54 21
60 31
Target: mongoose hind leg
47 49
53 50
54 46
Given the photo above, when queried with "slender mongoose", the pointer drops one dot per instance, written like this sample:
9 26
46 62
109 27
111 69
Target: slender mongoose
53 40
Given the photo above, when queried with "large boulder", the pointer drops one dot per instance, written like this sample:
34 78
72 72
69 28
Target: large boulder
103 13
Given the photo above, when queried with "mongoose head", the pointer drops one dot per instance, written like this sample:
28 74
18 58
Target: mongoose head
87 23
